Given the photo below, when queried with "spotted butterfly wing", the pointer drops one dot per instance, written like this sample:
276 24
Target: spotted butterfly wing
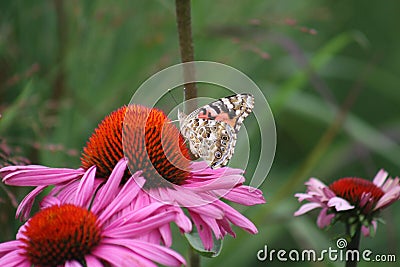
211 130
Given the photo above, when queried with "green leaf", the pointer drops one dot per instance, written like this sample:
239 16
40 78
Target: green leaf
195 242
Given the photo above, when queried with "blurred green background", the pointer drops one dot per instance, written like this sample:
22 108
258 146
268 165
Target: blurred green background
329 69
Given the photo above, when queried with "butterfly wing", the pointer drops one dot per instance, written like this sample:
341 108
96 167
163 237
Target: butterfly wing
212 129
212 140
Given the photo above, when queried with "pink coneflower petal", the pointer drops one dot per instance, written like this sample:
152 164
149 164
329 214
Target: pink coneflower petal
14 259
302 196
93 261
127 194
390 184
388 198
306 208
242 195
339 204
150 251
205 232
140 227
38 175
380 178
324 219
72 264
120 256
237 218
24 208
366 231
83 193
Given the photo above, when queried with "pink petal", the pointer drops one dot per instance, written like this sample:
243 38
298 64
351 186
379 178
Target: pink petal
14 258
224 223
140 228
380 178
26 204
225 183
214 226
6 247
328 193
108 191
123 199
86 187
242 195
135 216
390 183
166 235
41 176
72 263
315 185
183 222
237 218
150 251
120 256
324 219
340 204
388 198
92 261
49 201
366 230
306 208
303 196
204 231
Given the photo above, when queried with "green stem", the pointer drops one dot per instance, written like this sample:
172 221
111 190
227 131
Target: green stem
184 24
354 244
194 258
183 18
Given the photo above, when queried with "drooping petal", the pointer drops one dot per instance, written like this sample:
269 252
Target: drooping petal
92 261
150 251
324 219
72 263
204 231
140 228
107 192
340 204
237 218
306 208
388 198
242 195
120 256
25 207
85 188
303 196
125 196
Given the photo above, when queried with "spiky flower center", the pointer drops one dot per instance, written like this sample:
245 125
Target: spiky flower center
59 234
353 189
152 144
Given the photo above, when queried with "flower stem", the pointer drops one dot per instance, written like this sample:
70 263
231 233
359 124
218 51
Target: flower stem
194 258
183 18
353 245
184 23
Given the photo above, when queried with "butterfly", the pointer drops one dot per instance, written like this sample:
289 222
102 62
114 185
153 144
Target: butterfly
211 130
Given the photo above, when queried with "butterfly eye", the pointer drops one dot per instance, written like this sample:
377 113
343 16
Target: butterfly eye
218 154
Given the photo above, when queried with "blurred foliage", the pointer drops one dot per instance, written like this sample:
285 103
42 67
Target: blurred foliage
64 65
